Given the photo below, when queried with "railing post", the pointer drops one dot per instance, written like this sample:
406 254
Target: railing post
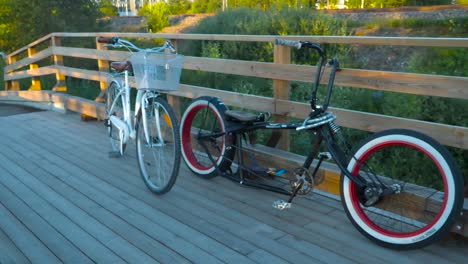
174 101
35 81
103 66
281 90
11 85
60 85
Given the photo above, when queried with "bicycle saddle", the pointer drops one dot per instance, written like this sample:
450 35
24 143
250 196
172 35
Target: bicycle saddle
121 66
240 116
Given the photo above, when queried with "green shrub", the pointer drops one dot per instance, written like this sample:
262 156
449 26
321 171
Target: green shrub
156 15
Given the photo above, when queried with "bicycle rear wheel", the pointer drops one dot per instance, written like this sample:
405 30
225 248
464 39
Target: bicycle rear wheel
114 107
427 189
205 144
158 151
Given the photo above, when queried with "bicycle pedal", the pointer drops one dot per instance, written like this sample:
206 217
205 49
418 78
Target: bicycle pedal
114 154
281 205
325 155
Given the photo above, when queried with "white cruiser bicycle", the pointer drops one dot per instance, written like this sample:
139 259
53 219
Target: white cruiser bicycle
153 124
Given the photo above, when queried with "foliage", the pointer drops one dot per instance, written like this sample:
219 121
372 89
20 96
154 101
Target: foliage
205 6
428 2
253 22
156 15
177 7
23 21
107 8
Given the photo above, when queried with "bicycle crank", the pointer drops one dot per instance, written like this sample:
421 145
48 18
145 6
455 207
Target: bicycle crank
301 179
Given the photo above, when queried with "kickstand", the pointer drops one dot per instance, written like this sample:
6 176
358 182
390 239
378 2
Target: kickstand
114 154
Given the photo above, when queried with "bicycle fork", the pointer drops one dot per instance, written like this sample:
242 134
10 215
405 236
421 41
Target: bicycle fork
144 98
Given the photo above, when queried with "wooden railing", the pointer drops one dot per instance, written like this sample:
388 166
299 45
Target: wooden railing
22 64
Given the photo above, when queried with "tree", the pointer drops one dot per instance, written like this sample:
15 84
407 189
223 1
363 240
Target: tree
178 6
26 20
107 8
156 15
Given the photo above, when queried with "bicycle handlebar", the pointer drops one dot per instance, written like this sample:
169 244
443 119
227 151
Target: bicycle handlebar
290 43
116 42
112 40
334 66
299 44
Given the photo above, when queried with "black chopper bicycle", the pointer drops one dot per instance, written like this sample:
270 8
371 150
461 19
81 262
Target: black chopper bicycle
400 188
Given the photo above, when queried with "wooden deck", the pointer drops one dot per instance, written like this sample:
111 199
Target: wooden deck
63 200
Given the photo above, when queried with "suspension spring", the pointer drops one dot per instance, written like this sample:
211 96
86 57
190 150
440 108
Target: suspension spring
334 127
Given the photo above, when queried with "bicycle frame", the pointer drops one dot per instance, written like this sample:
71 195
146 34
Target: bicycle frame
323 134
319 122
129 121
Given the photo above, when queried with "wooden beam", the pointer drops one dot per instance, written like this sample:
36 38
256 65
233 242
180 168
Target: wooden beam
363 40
35 81
33 58
281 90
449 135
12 76
60 85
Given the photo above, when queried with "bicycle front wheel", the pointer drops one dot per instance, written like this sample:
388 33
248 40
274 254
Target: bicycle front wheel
158 145
114 107
426 189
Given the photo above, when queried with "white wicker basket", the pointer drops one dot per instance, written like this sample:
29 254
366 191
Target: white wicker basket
156 70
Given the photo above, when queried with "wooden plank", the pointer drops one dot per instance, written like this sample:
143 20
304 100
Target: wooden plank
261 256
116 243
394 41
80 105
87 243
244 101
411 83
319 227
320 253
52 239
31 247
201 225
85 199
60 85
9 252
449 135
216 191
281 90
33 58
455 136
192 208
421 84
46 70
82 74
184 248
94 54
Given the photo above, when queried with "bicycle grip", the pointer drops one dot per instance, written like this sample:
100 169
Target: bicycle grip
290 43
112 40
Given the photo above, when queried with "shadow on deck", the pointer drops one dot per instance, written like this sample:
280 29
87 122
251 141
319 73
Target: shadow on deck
63 200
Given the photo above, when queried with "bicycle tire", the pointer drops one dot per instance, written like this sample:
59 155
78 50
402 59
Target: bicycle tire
431 195
206 114
158 160
112 95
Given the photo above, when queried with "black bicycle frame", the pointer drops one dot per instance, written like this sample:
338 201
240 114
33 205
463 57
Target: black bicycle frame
322 131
